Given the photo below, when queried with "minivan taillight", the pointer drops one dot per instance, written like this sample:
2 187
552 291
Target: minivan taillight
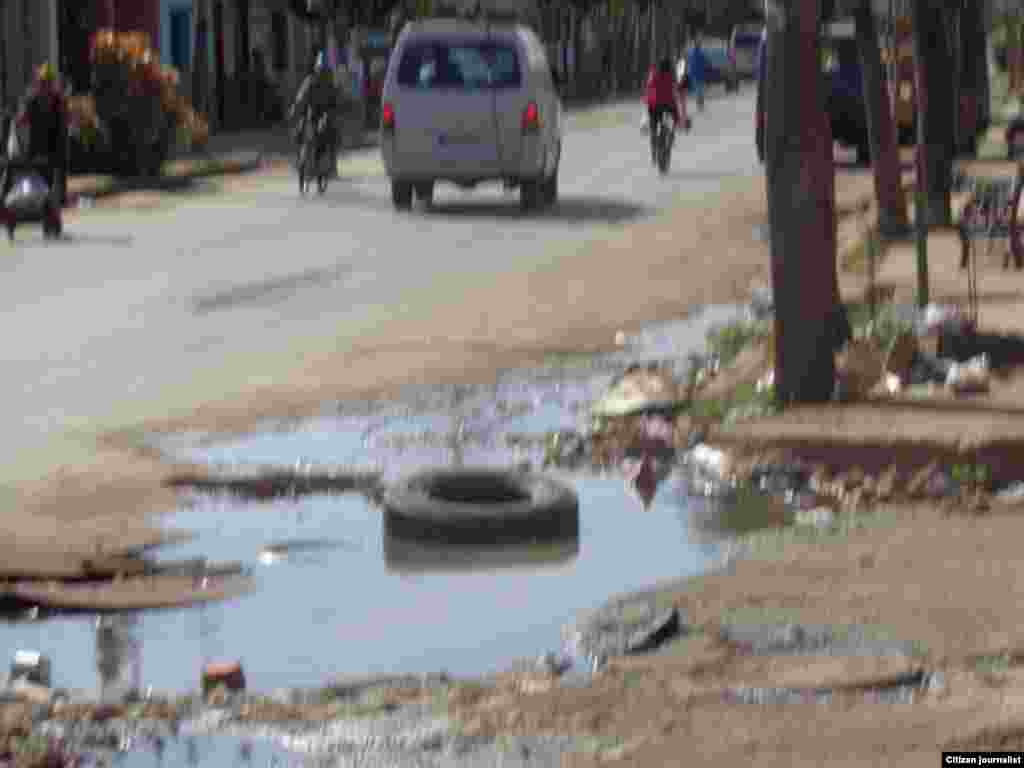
387 117
531 118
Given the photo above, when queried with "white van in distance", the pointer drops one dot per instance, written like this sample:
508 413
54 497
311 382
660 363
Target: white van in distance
468 101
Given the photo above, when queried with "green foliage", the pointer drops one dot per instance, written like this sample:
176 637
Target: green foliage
972 475
728 341
745 402
884 329
992 665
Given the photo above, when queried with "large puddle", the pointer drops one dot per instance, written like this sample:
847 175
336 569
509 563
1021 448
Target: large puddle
337 596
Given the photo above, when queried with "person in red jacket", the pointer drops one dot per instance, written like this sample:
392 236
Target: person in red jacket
661 97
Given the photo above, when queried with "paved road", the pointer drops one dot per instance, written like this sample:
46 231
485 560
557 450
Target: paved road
139 312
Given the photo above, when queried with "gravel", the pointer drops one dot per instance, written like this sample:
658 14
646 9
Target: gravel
796 639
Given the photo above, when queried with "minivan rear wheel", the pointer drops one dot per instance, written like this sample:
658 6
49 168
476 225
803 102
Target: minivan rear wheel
531 194
401 195
549 192
425 192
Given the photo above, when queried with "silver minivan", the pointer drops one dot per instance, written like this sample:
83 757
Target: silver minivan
468 101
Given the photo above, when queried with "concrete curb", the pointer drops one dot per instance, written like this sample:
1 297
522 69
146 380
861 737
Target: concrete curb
106 187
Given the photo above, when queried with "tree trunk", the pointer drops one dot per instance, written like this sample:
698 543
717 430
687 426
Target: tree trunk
932 48
801 190
892 206
975 60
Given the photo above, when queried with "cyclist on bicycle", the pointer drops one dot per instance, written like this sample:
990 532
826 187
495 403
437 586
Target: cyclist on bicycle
661 97
317 98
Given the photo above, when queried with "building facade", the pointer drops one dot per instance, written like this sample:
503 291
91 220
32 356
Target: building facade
254 50
28 37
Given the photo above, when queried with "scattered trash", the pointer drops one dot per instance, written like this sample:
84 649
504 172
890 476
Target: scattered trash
928 369
1012 493
762 302
937 318
31 666
818 517
554 664
281 550
711 470
893 384
969 377
641 389
778 478
659 631
766 383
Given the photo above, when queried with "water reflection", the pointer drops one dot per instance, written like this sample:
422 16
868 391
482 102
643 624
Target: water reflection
403 555
209 750
119 655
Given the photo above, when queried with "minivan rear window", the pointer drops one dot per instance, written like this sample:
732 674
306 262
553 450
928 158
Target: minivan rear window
463 66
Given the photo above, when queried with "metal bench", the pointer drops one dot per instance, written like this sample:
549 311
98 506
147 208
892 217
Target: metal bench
991 214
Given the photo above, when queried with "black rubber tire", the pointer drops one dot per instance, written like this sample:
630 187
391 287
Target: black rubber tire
480 506
665 157
531 194
52 229
401 195
425 192
549 192
321 184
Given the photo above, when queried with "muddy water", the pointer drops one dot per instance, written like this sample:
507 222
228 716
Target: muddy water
202 750
366 604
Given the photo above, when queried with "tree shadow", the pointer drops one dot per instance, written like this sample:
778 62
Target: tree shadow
572 209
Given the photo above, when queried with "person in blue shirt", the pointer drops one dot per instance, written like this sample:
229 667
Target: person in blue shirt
696 72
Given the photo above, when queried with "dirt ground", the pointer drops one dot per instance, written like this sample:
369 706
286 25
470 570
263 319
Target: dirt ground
943 579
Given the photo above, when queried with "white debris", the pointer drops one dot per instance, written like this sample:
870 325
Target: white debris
972 376
819 517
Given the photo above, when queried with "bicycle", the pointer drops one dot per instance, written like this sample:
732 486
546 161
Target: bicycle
663 141
314 157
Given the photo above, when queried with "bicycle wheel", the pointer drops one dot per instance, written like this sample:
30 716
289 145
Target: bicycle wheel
300 166
664 151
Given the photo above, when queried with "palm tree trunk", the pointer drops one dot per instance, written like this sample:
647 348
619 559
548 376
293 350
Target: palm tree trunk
801 190
892 205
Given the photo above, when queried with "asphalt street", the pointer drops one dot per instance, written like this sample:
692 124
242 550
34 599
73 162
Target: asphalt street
141 312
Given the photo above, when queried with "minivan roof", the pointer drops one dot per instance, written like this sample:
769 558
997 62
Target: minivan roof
461 26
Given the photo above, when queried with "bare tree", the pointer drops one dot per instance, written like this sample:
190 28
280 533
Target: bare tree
892 206
801 180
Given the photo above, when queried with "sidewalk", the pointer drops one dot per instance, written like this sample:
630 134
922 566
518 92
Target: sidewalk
225 154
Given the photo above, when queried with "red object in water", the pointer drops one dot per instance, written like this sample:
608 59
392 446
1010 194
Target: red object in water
226 673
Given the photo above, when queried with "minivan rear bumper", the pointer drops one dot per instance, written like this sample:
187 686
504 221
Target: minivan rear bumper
530 164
